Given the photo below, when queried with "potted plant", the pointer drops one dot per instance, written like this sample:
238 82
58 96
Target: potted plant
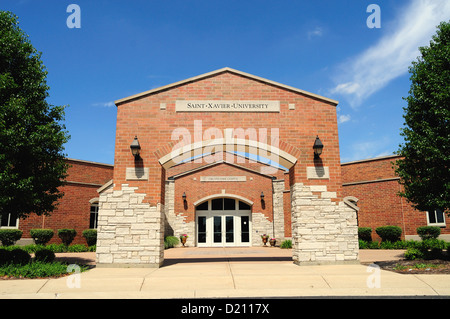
272 242
183 238
265 238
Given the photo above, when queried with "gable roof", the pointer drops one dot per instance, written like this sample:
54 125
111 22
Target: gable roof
223 70
206 166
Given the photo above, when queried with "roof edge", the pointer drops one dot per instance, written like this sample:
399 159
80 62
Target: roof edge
222 70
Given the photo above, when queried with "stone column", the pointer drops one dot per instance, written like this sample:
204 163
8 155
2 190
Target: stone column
323 232
278 210
130 232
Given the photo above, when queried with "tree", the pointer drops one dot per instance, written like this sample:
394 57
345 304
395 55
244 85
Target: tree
32 135
424 168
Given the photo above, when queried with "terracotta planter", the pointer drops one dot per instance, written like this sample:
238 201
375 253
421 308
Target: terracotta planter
265 241
183 240
273 242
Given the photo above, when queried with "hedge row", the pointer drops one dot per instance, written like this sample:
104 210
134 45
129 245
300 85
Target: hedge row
394 233
9 237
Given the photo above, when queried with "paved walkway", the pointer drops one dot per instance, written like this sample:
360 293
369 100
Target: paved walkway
232 272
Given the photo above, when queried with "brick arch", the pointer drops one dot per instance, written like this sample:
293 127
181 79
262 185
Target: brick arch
278 151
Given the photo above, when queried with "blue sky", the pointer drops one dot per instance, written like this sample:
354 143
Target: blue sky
325 47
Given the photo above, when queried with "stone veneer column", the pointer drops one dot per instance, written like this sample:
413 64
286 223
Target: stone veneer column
130 232
278 210
323 232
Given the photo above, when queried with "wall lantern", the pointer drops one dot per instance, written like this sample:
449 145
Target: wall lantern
318 147
184 197
262 196
135 148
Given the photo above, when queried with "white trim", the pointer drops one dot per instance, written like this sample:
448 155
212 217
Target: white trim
105 186
185 152
236 214
226 69
207 198
436 223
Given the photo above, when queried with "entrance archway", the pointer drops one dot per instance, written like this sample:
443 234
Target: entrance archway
223 222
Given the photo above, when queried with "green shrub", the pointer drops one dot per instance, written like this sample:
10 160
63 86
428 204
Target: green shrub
413 254
9 237
36 269
389 233
428 232
365 233
20 257
286 244
5 256
78 248
91 236
170 242
57 248
67 235
41 236
44 255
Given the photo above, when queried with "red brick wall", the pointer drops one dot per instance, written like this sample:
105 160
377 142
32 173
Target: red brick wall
378 200
297 128
196 190
74 208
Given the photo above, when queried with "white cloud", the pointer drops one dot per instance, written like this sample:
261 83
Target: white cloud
343 118
104 104
369 149
317 32
390 58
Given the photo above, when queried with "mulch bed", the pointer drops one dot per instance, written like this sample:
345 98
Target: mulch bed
418 266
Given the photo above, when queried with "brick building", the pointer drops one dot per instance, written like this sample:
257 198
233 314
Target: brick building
374 183
78 208
225 157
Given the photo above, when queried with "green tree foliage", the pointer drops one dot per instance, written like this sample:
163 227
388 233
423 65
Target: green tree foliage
32 135
424 170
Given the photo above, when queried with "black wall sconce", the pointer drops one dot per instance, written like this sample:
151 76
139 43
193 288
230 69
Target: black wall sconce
318 147
185 204
263 203
135 148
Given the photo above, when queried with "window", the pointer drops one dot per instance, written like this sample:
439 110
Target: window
94 216
203 206
436 218
8 221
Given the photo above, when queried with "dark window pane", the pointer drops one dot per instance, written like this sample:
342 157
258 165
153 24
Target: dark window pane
229 229
5 218
202 206
217 229
243 206
217 204
245 227
201 229
432 217
229 204
12 220
439 216
93 220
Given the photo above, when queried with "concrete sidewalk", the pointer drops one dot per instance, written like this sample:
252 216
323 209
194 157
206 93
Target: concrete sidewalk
231 273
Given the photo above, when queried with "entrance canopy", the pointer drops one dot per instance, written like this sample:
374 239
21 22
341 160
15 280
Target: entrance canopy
231 145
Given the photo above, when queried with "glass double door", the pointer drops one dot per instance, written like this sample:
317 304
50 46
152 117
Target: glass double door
219 228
